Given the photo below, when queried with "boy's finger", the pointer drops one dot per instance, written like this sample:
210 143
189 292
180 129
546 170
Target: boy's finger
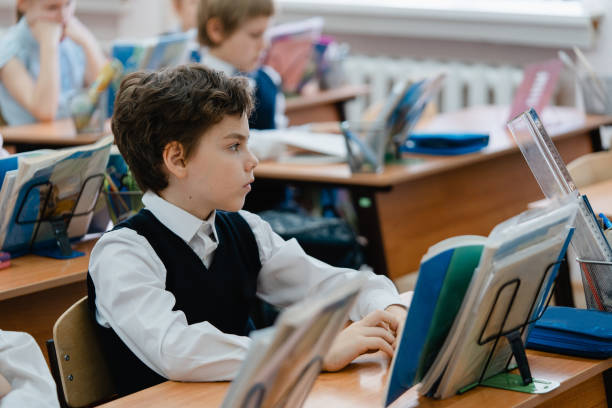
378 317
376 343
388 336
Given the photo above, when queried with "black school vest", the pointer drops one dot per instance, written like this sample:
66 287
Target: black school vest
263 116
223 294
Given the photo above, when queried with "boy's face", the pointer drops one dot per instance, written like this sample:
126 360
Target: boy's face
243 47
219 172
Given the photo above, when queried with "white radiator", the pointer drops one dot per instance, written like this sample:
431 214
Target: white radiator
465 84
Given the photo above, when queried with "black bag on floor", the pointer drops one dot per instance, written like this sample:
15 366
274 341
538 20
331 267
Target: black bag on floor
331 240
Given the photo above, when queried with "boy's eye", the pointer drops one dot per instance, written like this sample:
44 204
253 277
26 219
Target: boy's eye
235 147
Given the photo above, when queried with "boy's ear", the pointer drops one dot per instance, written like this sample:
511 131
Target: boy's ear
174 159
215 31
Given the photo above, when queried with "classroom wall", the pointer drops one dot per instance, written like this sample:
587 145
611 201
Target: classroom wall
142 18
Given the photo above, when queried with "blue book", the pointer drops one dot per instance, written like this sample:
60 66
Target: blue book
577 332
149 54
444 275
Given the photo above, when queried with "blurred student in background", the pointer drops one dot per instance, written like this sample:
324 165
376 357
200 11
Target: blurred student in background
45 59
186 12
233 32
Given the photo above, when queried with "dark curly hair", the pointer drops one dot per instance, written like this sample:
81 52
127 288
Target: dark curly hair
178 104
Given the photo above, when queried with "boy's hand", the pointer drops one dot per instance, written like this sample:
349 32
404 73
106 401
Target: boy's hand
400 313
374 332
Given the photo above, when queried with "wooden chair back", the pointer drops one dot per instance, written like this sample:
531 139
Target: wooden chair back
84 373
591 168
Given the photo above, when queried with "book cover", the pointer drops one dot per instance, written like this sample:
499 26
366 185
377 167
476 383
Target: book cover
290 51
149 54
59 175
444 275
284 360
537 87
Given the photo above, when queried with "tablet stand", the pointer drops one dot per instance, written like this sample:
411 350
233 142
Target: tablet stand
523 382
59 223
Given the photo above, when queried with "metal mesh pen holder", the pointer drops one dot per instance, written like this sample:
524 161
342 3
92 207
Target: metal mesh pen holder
597 282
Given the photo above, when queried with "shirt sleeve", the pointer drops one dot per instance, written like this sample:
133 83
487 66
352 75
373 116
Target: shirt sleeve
24 367
288 274
131 298
9 47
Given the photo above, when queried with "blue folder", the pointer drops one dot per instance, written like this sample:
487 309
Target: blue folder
445 144
577 332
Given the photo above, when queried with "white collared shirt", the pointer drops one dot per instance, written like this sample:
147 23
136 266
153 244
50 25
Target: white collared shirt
24 367
130 282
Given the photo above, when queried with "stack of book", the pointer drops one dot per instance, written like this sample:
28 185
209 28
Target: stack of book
470 292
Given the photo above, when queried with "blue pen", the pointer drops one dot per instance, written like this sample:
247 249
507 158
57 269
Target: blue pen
606 222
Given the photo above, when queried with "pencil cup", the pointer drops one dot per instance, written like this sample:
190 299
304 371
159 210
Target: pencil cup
365 146
123 204
597 282
596 95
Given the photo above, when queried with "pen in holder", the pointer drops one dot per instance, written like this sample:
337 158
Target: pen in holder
88 108
366 145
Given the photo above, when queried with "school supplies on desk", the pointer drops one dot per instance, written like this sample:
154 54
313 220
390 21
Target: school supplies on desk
83 105
149 54
549 170
445 144
122 193
404 108
284 360
47 197
444 275
577 332
451 340
290 51
537 87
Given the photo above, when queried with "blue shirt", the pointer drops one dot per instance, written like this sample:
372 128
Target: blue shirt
18 42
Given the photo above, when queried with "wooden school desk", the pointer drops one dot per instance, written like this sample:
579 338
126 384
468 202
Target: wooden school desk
35 291
362 384
323 106
59 133
409 207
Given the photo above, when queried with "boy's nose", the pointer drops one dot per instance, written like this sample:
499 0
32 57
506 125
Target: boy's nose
252 161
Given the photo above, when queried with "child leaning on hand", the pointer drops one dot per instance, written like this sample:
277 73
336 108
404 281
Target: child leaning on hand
45 59
173 287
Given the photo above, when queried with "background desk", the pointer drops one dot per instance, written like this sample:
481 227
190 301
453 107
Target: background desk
408 208
35 291
324 106
362 385
320 107
60 133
